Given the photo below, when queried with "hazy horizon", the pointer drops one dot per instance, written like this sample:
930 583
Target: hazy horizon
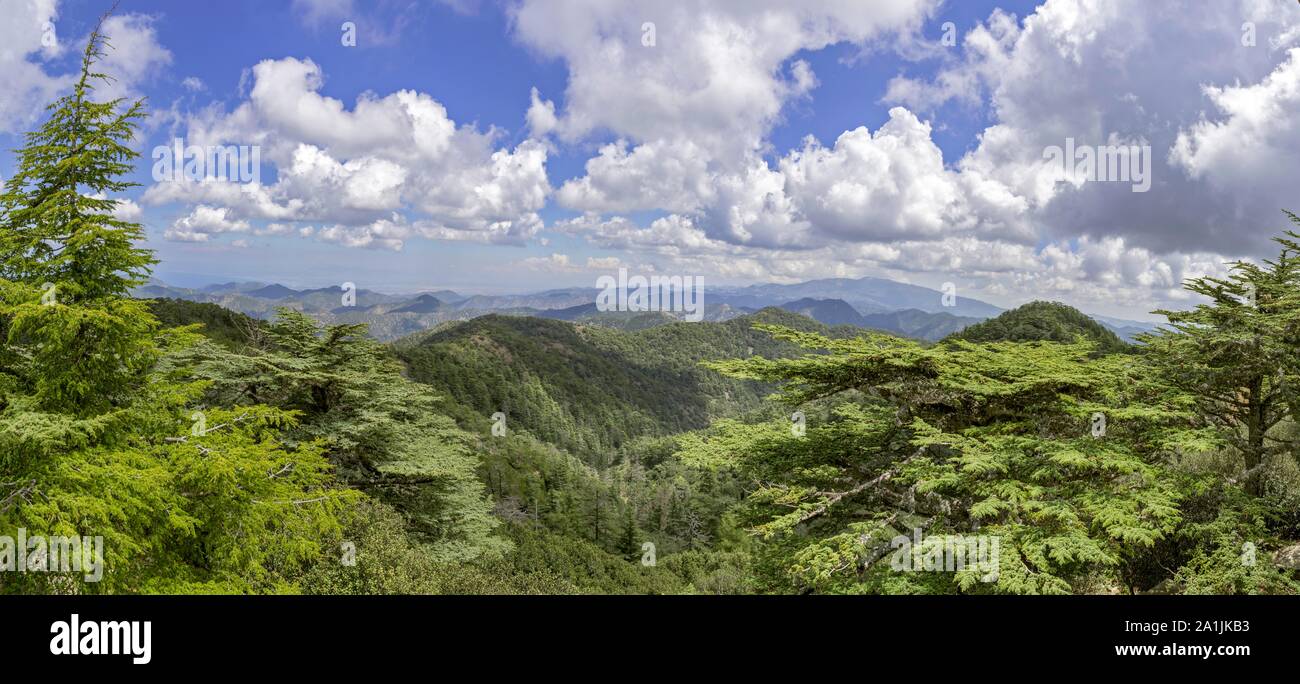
199 282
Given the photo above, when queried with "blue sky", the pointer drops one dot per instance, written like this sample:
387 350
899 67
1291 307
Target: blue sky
752 142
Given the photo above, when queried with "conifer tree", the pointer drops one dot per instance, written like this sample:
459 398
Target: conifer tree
994 440
628 544
384 433
97 435
1237 353
67 262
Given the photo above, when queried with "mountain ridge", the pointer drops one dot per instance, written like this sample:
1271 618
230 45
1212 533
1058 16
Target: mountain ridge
1043 321
869 302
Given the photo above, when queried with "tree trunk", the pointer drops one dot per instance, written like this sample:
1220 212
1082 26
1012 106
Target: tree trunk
1254 452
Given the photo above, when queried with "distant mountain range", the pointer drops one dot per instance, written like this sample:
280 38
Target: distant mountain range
899 308
915 323
866 295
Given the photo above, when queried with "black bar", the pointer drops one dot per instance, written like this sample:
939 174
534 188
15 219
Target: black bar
234 632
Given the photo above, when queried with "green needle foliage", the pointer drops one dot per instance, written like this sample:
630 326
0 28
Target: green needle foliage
1000 440
384 433
54 231
1237 354
1046 321
96 438
68 263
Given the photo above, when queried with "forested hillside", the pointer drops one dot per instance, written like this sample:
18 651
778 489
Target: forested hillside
221 325
1046 321
590 388
918 324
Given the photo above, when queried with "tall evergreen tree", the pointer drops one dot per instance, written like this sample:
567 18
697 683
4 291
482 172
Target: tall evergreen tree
1237 353
96 435
68 263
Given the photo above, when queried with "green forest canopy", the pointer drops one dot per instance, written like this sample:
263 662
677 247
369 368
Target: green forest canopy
1042 321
